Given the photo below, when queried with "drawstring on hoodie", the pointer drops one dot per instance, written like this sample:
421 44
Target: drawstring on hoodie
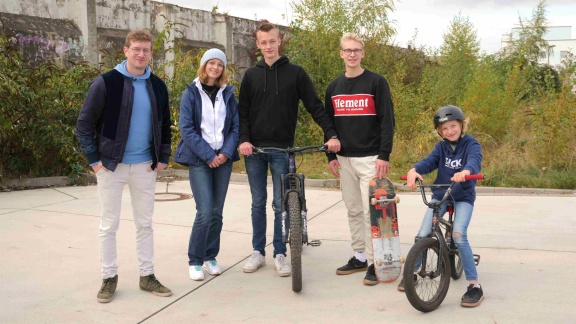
266 77
276 71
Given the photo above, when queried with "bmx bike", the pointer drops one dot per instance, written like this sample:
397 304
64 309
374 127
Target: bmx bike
432 260
294 210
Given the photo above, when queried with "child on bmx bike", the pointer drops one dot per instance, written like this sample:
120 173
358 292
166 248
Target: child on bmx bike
456 156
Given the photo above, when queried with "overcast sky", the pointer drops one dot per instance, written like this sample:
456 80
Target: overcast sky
431 18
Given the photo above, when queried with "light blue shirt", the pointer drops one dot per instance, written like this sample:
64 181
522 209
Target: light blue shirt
139 146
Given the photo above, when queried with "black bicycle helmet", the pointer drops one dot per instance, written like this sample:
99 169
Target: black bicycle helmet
448 113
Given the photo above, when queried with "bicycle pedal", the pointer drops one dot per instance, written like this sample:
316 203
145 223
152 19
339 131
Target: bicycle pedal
314 243
476 259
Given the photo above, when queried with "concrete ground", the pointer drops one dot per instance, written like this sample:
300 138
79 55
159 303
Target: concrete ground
49 268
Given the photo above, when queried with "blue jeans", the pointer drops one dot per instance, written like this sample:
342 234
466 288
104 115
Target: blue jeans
463 215
209 187
257 171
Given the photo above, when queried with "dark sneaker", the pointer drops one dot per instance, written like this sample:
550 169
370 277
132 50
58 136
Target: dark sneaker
401 284
473 297
107 290
151 284
370 278
353 265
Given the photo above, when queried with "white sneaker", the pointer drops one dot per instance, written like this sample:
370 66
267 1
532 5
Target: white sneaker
256 261
196 273
212 267
281 266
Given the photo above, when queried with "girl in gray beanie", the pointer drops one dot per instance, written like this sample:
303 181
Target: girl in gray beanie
213 53
209 130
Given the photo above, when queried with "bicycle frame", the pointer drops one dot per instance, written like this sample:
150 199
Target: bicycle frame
437 220
293 182
294 211
427 287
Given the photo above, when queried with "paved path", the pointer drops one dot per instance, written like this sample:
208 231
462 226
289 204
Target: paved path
49 269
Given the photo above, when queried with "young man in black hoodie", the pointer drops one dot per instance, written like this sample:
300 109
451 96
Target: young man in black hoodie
268 109
362 103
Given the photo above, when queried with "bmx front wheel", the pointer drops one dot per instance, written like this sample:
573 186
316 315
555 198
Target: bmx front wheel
295 240
426 275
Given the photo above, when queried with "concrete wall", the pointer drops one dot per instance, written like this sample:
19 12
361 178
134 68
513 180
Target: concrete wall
77 30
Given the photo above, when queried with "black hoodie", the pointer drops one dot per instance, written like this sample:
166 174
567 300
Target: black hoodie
268 104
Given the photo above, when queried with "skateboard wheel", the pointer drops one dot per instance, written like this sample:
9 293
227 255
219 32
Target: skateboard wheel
373 201
402 259
397 199
378 262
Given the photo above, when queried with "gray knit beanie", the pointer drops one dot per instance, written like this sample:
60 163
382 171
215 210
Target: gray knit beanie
213 53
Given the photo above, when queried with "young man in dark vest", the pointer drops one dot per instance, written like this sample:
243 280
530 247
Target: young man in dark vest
124 131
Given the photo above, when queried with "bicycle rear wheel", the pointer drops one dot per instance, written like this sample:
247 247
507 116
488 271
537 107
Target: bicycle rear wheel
428 291
295 240
456 266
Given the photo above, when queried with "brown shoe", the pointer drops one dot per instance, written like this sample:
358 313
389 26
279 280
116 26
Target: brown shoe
151 284
106 292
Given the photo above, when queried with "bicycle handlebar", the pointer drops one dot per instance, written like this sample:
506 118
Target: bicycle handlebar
467 178
263 150
448 190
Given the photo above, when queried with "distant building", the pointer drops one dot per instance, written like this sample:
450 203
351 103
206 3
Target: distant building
560 43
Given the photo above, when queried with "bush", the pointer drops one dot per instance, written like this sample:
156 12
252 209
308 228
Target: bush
38 110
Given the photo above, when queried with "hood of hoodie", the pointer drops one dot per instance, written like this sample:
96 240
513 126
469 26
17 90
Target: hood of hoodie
121 67
283 60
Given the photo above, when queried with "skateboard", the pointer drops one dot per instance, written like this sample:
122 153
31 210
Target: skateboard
384 223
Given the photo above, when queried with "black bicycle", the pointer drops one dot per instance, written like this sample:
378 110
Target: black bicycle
294 218
437 255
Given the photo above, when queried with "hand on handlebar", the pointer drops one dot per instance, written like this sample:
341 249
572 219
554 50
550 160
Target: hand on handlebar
333 145
246 148
411 178
460 176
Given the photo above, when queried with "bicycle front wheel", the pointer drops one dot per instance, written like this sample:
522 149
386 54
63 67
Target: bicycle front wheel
426 286
294 210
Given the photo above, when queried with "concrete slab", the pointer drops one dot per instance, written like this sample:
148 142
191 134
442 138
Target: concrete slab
49 267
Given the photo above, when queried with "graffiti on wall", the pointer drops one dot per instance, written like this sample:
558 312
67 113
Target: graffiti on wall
38 48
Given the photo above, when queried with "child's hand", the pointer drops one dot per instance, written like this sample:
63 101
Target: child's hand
411 178
460 176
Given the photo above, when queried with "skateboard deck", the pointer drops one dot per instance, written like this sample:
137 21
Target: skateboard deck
384 223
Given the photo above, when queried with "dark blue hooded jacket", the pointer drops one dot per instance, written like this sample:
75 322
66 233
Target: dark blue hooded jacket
192 149
467 155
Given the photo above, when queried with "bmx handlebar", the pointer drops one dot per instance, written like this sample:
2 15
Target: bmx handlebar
448 190
264 150
467 178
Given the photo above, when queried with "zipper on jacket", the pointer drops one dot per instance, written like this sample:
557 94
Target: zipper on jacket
127 123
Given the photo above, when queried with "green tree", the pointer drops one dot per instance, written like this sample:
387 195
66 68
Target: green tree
449 77
523 51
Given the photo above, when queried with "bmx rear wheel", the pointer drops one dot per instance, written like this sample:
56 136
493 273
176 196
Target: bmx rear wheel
433 277
295 240
456 266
